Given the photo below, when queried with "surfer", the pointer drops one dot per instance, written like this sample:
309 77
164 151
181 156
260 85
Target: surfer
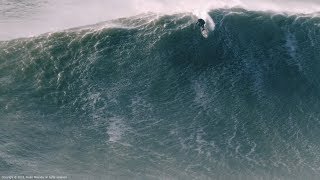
201 23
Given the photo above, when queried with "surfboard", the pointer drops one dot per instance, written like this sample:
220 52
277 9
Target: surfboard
204 32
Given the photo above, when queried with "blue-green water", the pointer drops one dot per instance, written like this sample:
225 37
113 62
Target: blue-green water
147 97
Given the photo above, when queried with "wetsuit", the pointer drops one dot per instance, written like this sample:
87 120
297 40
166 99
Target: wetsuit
201 23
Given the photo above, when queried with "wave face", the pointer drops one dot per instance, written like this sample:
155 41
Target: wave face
149 98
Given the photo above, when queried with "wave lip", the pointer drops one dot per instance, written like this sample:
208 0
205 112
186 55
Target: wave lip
42 16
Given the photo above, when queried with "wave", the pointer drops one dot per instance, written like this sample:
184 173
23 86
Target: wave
148 96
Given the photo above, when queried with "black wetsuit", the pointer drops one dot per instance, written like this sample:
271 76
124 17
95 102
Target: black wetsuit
201 23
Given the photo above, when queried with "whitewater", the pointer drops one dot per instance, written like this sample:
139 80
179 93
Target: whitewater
136 92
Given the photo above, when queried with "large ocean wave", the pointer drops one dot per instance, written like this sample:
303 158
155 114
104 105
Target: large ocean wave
147 97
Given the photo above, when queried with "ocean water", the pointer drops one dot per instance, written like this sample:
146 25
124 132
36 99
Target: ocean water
147 97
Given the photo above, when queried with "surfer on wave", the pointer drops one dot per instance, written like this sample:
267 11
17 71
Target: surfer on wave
201 23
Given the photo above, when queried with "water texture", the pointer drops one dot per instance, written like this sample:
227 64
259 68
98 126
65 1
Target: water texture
147 97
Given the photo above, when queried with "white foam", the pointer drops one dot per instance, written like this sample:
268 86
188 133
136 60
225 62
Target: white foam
47 16
291 44
116 129
166 6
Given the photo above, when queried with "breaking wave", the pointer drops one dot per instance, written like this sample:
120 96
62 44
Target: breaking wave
147 97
